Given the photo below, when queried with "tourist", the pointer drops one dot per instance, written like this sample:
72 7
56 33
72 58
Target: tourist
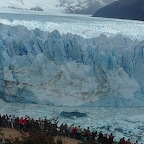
111 138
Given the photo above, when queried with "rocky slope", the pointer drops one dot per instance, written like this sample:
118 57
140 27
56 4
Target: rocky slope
123 9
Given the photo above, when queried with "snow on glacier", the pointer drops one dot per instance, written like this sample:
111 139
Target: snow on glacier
84 26
75 68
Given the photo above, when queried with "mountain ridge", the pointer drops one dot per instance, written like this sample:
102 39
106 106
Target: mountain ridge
56 6
122 9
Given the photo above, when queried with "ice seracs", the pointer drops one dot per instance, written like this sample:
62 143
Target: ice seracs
54 69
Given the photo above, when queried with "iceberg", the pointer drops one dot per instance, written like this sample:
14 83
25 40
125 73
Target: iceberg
68 70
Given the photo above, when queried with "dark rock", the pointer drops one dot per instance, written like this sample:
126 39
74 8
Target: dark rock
119 129
123 9
72 114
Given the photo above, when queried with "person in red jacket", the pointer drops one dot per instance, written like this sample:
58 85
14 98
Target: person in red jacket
111 138
122 141
75 132
128 142
21 123
25 121
88 133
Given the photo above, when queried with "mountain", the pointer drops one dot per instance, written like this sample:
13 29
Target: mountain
83 6
123 9
55 6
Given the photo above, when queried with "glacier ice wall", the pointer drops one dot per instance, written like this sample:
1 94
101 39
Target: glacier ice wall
54 69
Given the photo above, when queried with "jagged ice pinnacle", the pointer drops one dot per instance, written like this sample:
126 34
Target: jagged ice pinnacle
66 69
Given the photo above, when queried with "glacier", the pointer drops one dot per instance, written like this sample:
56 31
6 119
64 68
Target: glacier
53 69
50 64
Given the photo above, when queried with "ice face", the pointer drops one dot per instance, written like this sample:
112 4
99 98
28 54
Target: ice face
54 69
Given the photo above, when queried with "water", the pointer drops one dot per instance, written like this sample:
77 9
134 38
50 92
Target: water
129 120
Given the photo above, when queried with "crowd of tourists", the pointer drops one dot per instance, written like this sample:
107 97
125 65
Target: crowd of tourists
51 126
